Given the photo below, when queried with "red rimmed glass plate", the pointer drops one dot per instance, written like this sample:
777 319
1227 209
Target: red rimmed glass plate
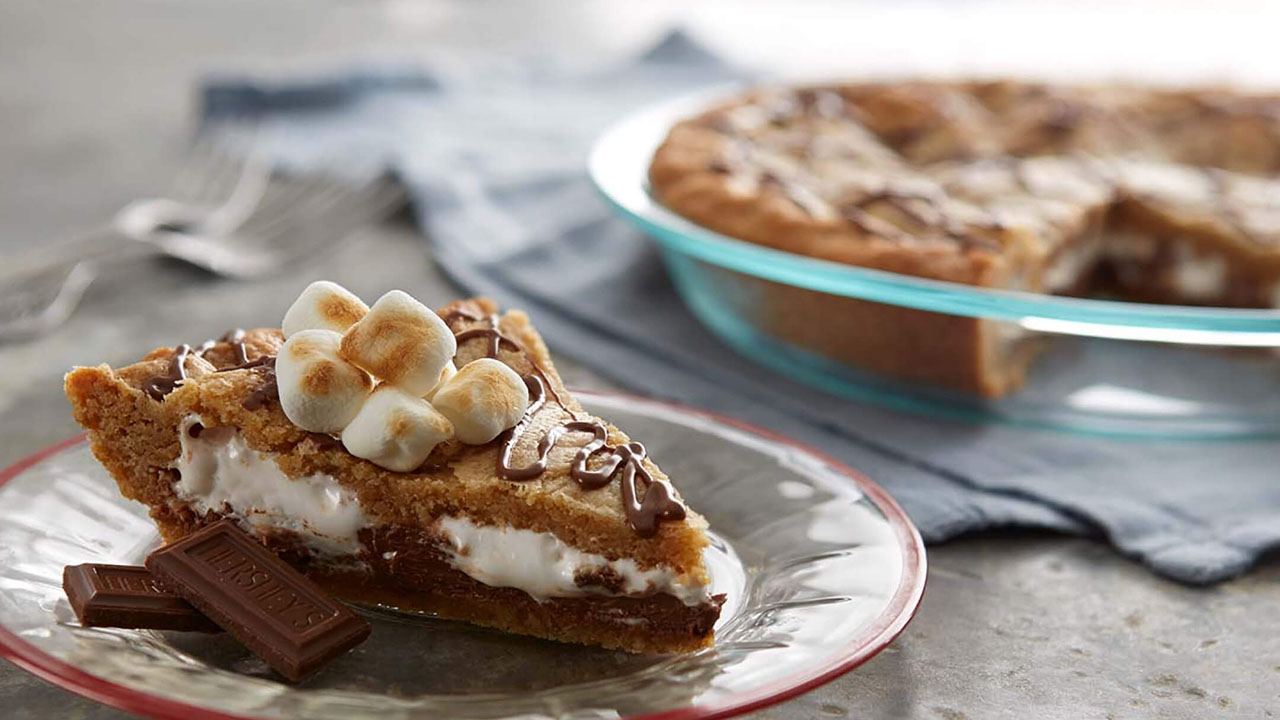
822 570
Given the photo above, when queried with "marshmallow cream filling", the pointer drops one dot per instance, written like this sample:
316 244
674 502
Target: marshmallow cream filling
543 566
218 472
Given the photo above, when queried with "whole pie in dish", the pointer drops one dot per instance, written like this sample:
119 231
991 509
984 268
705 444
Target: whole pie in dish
427 461
1167 196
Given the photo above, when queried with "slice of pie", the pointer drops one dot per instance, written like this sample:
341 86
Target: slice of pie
558 527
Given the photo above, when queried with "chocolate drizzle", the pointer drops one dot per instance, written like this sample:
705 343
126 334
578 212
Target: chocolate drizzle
236 339
922 206
506 470
161 385
266 388
493 332
250 364
872 224
799 195
907 202
643 513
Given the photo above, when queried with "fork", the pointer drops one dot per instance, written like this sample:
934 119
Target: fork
228 213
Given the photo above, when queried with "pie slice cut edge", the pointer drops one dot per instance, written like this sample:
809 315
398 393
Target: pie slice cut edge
560 528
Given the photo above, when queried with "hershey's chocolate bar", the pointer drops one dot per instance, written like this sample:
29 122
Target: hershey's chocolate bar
272 609
126 596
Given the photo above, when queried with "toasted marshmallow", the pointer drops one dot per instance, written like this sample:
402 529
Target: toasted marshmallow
395 430
402 342
483 399
323 306
448 372
319 391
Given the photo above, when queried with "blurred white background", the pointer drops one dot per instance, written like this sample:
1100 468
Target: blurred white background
108 91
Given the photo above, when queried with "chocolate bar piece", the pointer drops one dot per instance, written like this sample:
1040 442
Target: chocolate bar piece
126 596
272 609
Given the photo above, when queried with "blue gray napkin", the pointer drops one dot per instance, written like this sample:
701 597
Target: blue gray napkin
496 167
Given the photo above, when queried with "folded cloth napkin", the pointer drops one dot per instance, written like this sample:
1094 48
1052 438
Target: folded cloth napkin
496 166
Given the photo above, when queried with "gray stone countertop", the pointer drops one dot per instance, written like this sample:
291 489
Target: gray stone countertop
95 99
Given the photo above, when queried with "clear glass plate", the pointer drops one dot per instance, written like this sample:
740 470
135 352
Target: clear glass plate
1120 368
822 570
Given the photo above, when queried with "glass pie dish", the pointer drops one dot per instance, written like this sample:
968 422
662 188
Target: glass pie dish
1114 368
